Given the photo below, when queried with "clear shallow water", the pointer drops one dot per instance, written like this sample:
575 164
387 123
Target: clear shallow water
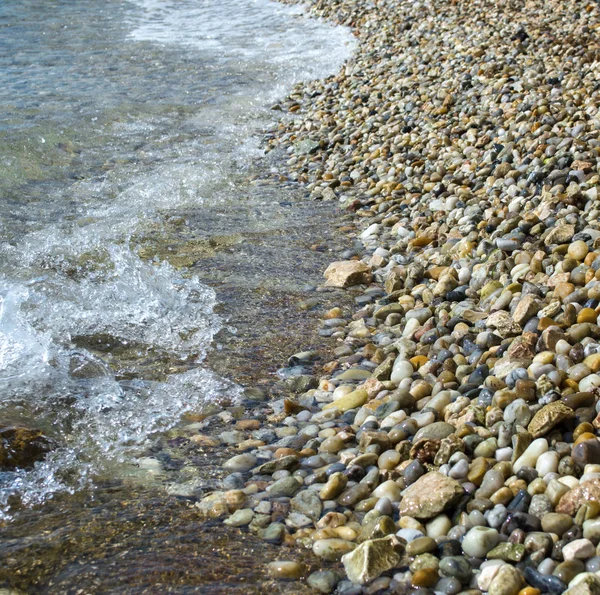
116 120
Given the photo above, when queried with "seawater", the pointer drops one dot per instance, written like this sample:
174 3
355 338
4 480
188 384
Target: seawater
117 118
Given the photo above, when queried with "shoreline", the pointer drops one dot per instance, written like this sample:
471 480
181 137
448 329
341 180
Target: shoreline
451 443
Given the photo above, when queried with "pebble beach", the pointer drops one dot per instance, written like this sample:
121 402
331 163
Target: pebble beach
449 443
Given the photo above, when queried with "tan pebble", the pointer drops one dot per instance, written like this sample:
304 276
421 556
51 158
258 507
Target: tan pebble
593 362
502 496
285 569
284 452
346 533
333 313
537 486
203 440
578 250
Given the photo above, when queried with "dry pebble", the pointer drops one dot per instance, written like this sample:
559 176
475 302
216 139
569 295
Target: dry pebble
451 444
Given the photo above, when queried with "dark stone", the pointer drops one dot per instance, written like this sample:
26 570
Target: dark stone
520 520
413 471
528 474
457 567
449 548
520 503
547 584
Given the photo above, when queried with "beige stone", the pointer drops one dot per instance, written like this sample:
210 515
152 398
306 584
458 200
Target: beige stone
345 273
503 323
547 417
430 495
529 306
372 558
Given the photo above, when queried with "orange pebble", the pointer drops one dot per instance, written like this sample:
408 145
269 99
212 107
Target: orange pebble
529 591
418 361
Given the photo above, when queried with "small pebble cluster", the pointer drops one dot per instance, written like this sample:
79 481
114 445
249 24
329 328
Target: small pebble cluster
451 446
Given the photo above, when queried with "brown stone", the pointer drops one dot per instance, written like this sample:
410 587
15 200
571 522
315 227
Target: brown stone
547 417
560 235
345 273
370 437
425 450
523 347
529 306
550 337
503 323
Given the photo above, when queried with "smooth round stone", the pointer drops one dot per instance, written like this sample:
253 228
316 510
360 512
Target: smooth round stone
354 494
459 470
448 586
323 581
457 567
493 480
402 369
547 584
388 459
591 530
547 566
388 489
555 522
578 372
335 485
578 250
437 430
240 463
423 419
504 454
547 463
487 448
508 581
285 569
476 518
593 564
567 570
384 507
240 518
332 444
532 453
518 412
425 577
438 526
285 487
413 471
479 541
586 452
332 549
421 545
587 315
308 503
589 382
313 462
496 517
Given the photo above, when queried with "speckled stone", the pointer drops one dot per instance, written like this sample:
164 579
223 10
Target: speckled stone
548 417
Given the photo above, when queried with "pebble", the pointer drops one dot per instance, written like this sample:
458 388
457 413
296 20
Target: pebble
285 569
459 415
